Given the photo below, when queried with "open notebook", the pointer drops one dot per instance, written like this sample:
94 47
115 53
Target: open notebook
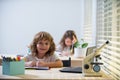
78 69
38 68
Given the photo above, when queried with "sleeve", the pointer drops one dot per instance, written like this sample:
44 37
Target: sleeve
52 58
59 48
29 58
56 57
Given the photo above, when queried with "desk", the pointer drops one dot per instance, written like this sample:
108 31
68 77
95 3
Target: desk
52 74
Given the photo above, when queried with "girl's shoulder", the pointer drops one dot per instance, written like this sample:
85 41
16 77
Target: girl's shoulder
52 57
29 57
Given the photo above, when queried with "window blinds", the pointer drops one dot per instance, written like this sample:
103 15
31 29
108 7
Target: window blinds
108 28
89 25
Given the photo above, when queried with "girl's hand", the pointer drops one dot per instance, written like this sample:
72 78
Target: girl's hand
30 64
40 63
74 40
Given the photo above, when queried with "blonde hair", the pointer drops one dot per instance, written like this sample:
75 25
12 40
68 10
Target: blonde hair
42 36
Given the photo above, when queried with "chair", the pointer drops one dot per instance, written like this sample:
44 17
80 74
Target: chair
67 63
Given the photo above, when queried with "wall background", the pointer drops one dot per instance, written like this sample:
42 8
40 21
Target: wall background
20 20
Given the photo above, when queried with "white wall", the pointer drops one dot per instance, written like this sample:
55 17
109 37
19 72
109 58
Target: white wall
20 20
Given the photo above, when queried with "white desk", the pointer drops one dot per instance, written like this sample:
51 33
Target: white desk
51 74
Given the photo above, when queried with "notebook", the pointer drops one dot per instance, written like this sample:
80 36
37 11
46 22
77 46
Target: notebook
72 69
38 68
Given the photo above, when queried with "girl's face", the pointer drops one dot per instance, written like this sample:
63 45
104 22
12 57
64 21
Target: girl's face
42 47
68 42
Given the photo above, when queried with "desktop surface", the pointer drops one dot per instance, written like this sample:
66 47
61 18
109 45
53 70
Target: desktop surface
52 74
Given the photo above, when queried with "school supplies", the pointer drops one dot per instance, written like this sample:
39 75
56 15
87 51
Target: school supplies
12 66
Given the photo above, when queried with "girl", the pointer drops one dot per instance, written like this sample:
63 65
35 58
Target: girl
66 44
42 52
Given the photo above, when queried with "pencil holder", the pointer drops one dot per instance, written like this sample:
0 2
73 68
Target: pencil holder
13 67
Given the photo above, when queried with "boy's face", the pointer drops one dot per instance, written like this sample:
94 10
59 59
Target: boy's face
68 42
43 46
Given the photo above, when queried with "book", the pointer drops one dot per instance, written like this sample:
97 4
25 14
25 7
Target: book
38 68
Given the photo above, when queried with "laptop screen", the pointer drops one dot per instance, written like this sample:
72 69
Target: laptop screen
90 50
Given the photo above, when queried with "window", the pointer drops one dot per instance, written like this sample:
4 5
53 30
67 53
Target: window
110 31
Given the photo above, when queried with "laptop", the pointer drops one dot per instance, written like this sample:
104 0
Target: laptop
77 69
72 69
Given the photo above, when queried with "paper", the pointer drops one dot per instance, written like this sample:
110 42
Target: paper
38 68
